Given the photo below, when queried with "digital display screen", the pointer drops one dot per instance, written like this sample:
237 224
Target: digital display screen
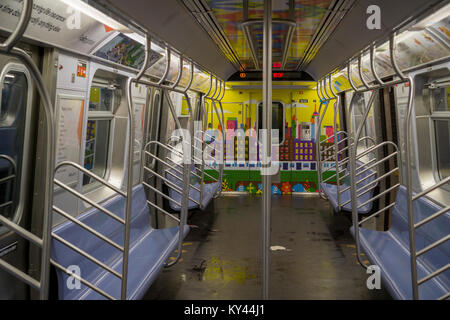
276 76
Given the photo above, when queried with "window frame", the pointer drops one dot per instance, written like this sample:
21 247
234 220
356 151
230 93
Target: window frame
283 133
25 165
154 117
434 117
366 129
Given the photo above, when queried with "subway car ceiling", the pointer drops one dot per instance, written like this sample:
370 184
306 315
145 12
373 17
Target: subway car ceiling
310 40
324 35
131 142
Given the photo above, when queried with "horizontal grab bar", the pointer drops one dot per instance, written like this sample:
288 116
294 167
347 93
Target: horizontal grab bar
377 213
21 231
87 228
161 194
432 188
83 281
379 195
163 211
434 274
432 217
86 255
90 174
92 203
433 245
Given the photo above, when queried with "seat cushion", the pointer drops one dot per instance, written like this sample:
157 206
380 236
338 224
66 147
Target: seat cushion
390 249
384 250
158 244
367 178
330 191
209 190
147 258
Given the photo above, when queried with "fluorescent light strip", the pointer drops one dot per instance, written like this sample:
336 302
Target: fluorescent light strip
433 18
96 14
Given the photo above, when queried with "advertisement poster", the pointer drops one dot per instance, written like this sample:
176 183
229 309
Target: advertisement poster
69 136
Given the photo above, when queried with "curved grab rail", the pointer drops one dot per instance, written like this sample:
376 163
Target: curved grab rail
353 155
18 32
217 96
325 89
180 73
167 68
12 162
350 79
379 83
90 174
361 75
191 78
319 126
330 82
365 189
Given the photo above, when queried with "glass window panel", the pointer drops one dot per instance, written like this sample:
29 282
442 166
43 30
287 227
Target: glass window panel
101 99
12 134
441 99
359 108
277 119
442 128
96 151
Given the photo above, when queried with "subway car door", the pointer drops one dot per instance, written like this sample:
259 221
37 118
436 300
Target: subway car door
18 120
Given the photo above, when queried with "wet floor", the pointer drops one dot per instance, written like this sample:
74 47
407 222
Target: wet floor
313 256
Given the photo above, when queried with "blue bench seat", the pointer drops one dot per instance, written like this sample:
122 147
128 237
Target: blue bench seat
149 250
330 191
390 249
209 190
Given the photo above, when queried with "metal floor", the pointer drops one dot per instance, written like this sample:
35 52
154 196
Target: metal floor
221 256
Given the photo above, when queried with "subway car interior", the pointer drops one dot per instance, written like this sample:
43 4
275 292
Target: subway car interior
224 150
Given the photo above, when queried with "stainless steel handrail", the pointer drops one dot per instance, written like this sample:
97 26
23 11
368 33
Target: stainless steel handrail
171 149
353 157
415 225
353 153
402 78
221 119
162 194
110 214
318 132
186 168
169 183
8 48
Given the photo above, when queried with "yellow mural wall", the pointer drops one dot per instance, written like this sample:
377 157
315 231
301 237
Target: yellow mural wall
241 103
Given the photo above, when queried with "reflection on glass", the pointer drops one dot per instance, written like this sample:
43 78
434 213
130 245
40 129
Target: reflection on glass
443 147
441 99
12 131
101 99
277 119
123 50
96 151
360 106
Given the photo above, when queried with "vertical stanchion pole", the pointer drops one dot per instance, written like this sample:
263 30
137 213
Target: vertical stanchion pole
267 125
205 110
353 181
409 191
130 157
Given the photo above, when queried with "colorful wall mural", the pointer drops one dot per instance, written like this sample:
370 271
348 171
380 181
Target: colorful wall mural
298 165
307 15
